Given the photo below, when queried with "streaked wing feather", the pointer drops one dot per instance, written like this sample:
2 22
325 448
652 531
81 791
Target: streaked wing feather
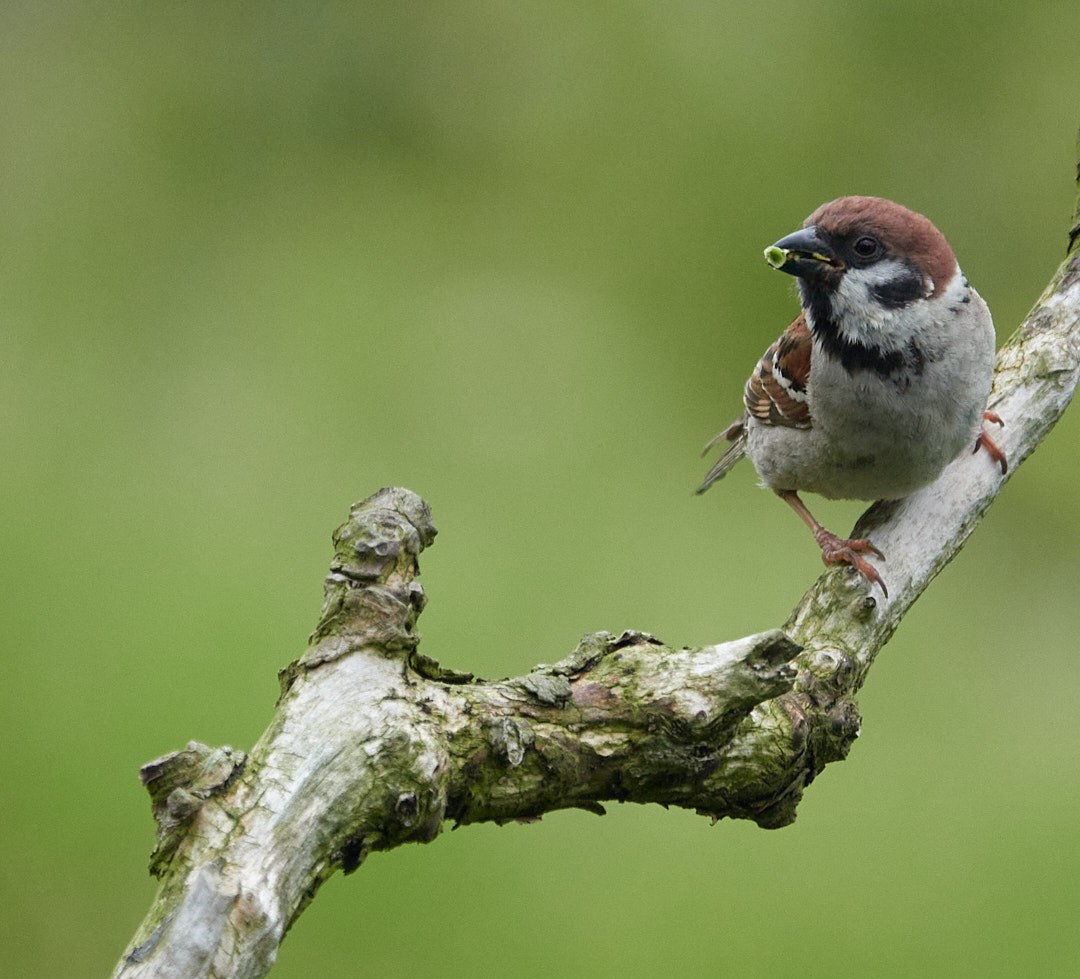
736 434
776 391
774 395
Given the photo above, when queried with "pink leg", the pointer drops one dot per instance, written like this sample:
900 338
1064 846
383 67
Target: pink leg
985 442
837 550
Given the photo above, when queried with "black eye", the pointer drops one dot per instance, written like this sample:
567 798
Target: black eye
866 246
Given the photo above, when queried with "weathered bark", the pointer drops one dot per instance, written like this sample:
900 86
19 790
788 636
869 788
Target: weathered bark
373 745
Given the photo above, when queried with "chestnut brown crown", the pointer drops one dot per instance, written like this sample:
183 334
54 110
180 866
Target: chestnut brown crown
904 233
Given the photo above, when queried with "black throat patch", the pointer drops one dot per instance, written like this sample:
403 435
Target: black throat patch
897 365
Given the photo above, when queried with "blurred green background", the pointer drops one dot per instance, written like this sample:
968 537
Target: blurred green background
259 260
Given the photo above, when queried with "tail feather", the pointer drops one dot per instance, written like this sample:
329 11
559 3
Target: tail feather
735 433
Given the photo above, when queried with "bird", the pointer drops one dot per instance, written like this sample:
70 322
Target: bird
881 380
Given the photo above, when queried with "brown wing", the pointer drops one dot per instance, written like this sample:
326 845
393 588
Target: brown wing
776 391
774 395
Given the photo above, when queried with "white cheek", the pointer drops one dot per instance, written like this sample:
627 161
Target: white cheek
854 296
862 319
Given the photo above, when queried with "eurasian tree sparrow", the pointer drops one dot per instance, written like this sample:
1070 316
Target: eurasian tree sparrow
882 379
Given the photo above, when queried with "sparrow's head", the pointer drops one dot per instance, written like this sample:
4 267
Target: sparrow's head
872 275
867 246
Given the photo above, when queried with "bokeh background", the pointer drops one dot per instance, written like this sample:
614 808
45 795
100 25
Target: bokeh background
259 260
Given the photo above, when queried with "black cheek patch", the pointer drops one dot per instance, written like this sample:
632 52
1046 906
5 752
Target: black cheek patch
899 291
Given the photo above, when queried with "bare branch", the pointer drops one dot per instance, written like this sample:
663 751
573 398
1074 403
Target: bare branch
374 745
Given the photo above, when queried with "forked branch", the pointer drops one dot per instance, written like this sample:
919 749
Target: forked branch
373 744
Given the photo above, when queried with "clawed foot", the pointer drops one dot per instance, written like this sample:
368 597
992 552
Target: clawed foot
837 550
985 442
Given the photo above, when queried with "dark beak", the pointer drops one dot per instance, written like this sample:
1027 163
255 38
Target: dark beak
803 254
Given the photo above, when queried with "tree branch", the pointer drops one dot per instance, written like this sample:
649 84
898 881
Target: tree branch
374 745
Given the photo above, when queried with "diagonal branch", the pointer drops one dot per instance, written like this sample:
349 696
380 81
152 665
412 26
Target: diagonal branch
374 745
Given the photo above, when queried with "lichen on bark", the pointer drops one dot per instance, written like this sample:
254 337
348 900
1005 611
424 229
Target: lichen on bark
373 744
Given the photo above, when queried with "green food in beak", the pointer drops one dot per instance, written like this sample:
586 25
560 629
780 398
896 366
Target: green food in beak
803 254
776 257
